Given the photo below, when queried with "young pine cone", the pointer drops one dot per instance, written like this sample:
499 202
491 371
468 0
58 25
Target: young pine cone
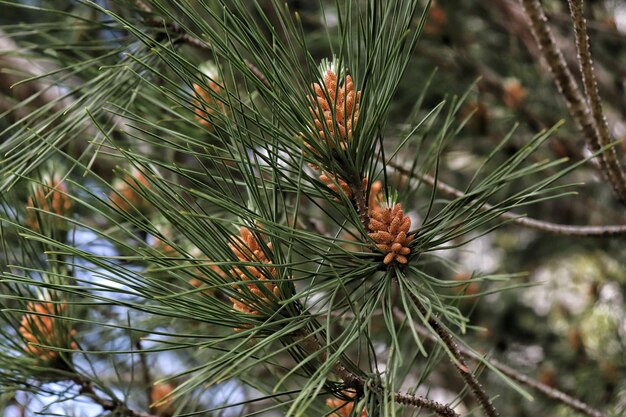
161 401
375 196
389 229
335 110
204 103
335 184
126 195
343 407
39 328
51 197
248 249
197 254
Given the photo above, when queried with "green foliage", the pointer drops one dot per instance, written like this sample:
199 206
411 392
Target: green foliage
201 232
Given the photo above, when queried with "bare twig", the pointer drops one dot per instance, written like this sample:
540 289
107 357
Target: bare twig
145 370
459 363
548 391
43 92
157 21
591 91
576 105
555 228
360 201
86 389
417 401
351 380
190 39
257 73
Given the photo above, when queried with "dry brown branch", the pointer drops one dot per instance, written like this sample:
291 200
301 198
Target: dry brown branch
87 389
593 97
548 391
519 219
457 359
577 106
351 380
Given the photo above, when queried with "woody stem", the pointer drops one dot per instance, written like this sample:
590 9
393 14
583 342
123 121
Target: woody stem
360 201
117 407
459 362
358 383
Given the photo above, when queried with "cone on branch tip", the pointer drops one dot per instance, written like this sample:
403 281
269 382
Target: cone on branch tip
513 93
161 399
51 197
389 229
125 195
248 249
335 107
342 407
336 184
375 195
196 270
205 103
40 328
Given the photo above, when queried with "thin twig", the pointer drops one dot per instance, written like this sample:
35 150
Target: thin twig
257 73
459 363
360 201
548 391
351 380
568 88
145 371
86 389
185 37
417 401
593 97
555 228
175 28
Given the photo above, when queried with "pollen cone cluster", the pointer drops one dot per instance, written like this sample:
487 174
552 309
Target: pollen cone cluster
389 229
248 249
336 184
164 247
335 108
50 197
344 408
204 103
513 93
126 196
161 402
44 330
376 194
197 253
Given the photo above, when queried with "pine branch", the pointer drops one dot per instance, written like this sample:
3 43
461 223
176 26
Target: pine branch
459 363
157 21
360 202
616 171
86 389
353 381
555 228
548 391
421 402
145 371
568 88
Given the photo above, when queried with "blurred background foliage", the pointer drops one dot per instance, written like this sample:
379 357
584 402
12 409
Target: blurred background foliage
566 328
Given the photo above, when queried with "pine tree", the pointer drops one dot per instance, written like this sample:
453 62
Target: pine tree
243 207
